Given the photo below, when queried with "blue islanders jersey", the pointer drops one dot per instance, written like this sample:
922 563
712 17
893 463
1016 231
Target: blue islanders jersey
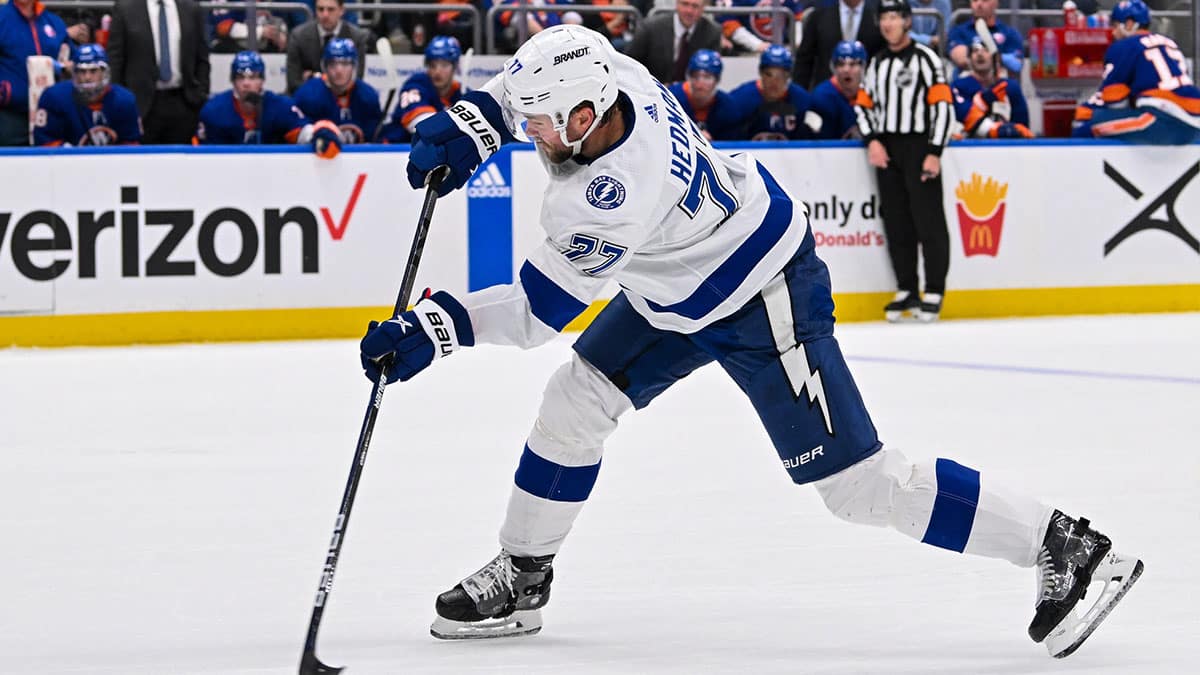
111 121
418 97
222 121
782 120
760 25
720 119
836 111
964 90
1148 65
356 113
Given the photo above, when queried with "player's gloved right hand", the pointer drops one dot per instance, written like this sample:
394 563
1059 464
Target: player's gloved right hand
326 139
1010 130
435 327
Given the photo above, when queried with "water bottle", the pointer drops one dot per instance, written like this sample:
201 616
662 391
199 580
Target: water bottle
1069 13
102 31
1035 53
1050 54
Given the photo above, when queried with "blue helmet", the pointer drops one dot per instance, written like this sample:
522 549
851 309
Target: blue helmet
91 56
87 58
339 49
706 60
776 56
443 48
849 49
1131 9
247 63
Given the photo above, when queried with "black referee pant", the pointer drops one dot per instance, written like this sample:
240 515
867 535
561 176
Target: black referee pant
912 214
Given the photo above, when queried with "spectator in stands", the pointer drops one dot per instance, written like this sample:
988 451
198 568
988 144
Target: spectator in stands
773 107
927 29
410 33
829 24
510 30
989 106
686 30
230 31
26 29
460 25
754 32
427 93
712 109
835 98
613 25
309 39
1007 39
338 96
157 50
248 114
87 109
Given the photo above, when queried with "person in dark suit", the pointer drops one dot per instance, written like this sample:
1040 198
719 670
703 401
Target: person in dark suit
830 23
687 31
156 49
308 41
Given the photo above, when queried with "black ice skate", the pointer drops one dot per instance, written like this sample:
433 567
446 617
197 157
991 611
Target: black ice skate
930 308
1073 555
503 599
903 307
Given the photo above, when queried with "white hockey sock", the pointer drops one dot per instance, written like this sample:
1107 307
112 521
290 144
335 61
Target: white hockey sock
941 503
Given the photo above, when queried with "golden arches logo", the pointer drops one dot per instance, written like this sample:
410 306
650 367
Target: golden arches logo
981 202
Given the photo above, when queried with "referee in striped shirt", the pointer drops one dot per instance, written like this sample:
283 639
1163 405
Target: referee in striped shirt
905 120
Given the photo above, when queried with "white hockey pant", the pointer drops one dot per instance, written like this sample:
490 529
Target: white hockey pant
937 502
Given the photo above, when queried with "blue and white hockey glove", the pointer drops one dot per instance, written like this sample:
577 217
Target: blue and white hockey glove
435 327
326 139
460 137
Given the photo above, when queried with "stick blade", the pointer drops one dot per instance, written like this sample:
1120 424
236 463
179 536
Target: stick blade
985 34
311 665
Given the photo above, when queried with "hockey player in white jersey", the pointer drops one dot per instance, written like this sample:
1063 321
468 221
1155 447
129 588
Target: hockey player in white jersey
716 263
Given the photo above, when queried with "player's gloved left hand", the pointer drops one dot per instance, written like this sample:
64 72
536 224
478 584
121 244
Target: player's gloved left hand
437 326
998 92
326 139
1010 130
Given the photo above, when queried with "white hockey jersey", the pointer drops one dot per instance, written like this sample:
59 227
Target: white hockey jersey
688 232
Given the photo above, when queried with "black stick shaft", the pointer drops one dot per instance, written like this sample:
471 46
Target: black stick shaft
309 664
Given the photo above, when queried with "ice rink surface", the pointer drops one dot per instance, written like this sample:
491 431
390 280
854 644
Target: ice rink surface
166 510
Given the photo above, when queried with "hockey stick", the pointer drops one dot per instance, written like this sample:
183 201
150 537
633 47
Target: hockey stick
309 663
465 68
384 47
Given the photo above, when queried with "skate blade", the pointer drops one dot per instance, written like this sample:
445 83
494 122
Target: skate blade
516 624
927 317
907 316
1119 574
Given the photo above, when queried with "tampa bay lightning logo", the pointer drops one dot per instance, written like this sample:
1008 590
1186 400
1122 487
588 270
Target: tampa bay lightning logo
606 192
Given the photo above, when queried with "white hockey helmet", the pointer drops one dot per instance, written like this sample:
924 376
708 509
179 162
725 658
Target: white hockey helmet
555 71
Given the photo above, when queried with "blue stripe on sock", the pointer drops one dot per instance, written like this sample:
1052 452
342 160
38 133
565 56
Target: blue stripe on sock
542 478
954 508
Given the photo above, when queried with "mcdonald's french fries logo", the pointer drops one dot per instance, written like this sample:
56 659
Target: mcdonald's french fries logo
980 210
